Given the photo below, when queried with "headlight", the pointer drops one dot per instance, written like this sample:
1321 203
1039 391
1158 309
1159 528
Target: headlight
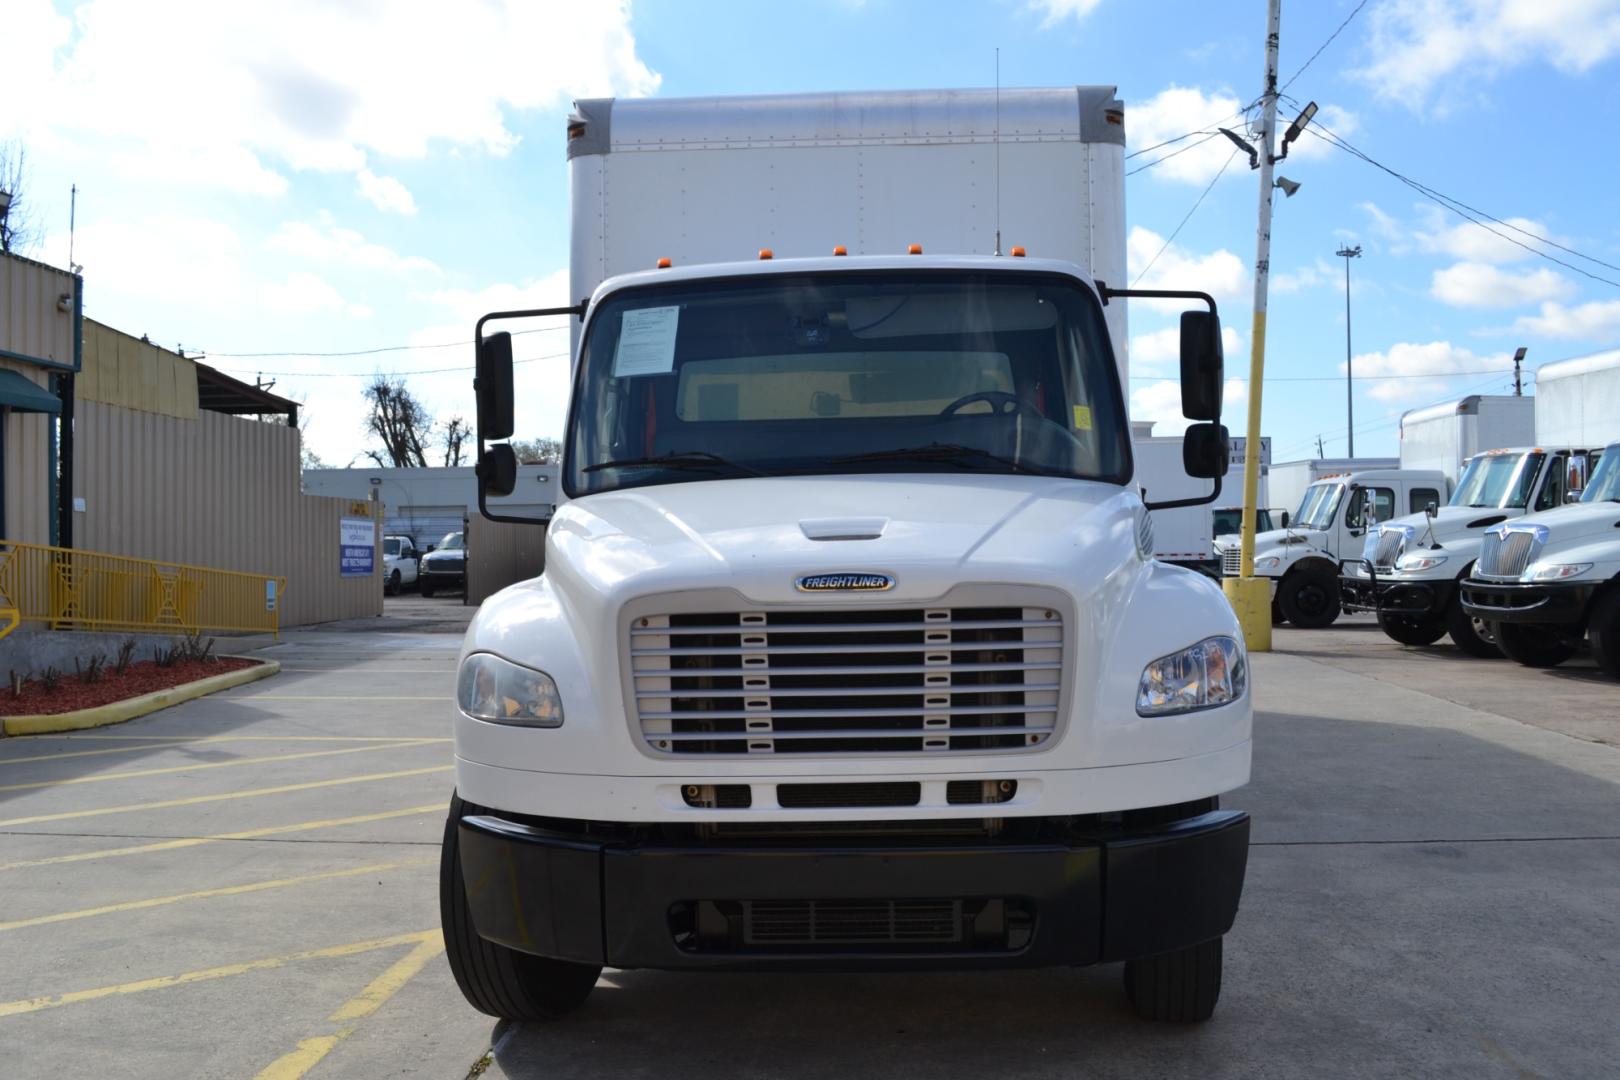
502 692
1270 562
1212 672
1419 562
1555 571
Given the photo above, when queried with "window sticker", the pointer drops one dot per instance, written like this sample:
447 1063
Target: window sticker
646 342
1082 418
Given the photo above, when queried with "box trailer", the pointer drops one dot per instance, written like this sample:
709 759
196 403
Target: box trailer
1444 436
1577 401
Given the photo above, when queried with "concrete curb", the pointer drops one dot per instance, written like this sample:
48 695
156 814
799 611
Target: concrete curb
118 711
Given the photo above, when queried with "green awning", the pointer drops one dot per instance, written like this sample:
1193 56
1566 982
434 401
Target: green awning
23 395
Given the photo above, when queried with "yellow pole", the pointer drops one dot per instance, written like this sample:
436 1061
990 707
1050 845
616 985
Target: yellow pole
1251 596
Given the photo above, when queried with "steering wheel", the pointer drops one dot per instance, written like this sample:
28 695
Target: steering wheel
1001 404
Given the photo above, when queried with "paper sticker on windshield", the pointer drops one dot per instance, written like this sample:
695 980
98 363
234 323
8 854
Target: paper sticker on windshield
646 342
1082 418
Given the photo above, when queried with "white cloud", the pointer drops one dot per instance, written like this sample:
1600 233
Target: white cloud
1220 273
157 258
1055 11
1174 112
1479 285
1475 243
385 193
1161 403
1419 47
325 241
304 293
1596 321
1160 350
1319 273
1338 120
246 90
1414 370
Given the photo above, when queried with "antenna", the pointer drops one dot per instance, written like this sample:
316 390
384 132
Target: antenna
73 213
997 139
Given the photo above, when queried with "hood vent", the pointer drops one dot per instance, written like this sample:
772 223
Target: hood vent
843 528
1487 522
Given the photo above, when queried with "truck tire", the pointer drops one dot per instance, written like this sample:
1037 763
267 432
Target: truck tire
1309 598
496 980
424 586
1604 628
1412 629
1473 636
1180 986
1534 644
1276 613
393 586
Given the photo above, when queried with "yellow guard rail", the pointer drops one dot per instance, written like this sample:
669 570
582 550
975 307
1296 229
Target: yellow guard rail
90 590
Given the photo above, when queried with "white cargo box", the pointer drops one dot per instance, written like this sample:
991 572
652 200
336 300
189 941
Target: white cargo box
1578 401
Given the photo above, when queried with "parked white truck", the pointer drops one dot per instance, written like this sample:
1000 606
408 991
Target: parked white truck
850 650
1186 536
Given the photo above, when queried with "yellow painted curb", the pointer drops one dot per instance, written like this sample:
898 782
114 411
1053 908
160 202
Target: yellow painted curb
118 711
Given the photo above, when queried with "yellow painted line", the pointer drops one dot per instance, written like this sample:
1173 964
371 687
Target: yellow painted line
200 766
204 894
119 711
194 800
241 738
249 834
86 753
296 1064
270 963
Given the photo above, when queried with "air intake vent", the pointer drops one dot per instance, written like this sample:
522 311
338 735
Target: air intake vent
978 792
802 796
718 796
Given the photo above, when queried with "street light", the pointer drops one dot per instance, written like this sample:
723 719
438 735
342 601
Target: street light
1347 253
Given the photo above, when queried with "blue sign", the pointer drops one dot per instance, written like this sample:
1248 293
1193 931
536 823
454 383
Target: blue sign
357 547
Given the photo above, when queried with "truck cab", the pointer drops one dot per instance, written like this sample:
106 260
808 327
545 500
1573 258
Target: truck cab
1546 581
1302 558
1409 568
850 649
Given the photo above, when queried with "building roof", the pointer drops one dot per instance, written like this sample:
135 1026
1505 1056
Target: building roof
219 392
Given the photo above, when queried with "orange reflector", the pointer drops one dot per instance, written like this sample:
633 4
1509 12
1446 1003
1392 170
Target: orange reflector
1017 252
840 250
914 249
664 263
765 253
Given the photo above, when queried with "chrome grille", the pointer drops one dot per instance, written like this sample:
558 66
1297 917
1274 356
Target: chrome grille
1232 562
1504 553
841 680
1391 543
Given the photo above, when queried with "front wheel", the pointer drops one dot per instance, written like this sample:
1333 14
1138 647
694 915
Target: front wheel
496 980
392 588
1412 629
424 586
1473 636
1309 598
1181 986
1534 644
1604 629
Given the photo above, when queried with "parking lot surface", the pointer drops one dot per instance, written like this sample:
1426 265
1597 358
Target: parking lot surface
245 886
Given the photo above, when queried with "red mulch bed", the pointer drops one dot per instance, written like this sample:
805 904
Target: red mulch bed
144 677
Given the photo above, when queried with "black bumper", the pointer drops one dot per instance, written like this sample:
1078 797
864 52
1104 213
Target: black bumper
641 905
1374 594
1548 603
437 576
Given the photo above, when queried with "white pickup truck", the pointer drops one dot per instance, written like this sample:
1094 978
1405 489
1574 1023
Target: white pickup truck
850 649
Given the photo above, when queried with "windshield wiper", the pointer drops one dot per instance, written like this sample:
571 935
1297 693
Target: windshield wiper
686 459
949 453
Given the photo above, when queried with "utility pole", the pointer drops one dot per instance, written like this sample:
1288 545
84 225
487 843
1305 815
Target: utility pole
1347 253
1251 596
1518 382
1319 451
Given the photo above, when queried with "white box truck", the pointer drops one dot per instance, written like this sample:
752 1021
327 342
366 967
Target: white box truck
1289 479
1444 436
850 650
1577 401
1186 536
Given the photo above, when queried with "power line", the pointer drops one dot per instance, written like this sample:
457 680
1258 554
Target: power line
1335 436
1324 45
376 374
1207 135
1188 217
369 352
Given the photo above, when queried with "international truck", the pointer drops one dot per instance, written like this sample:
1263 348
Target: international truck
1289 479
850 649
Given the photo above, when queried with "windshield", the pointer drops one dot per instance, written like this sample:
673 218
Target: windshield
1498 481
1226 522
391 548
1605 483
451 542
936 372
1317 508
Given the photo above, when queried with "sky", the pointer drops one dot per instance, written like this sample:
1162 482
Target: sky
265 183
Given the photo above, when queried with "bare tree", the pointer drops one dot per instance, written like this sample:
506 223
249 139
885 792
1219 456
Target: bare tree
537 451
456 432
17 232
399 422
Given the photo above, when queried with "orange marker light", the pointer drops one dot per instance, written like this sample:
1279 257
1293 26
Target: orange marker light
914 249
840 250
765 253
1017 252
664 263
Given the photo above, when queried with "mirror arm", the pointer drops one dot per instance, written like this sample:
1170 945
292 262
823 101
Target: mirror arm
1108 294
1173 504
576 310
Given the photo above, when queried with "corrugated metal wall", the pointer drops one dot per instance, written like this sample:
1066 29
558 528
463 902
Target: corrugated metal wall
124 370
216 491
28 474
499 554
32 324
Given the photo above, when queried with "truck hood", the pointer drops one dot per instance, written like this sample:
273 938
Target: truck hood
1455 522
1577 523
757 536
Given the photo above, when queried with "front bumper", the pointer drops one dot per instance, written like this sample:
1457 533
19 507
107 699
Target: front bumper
595 894
1554 602
443 574
1368 592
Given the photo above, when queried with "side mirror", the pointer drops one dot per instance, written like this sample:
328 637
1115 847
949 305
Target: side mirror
1285 519
1573 495
1431 508
1203 367
493 386
1206 451
497 470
